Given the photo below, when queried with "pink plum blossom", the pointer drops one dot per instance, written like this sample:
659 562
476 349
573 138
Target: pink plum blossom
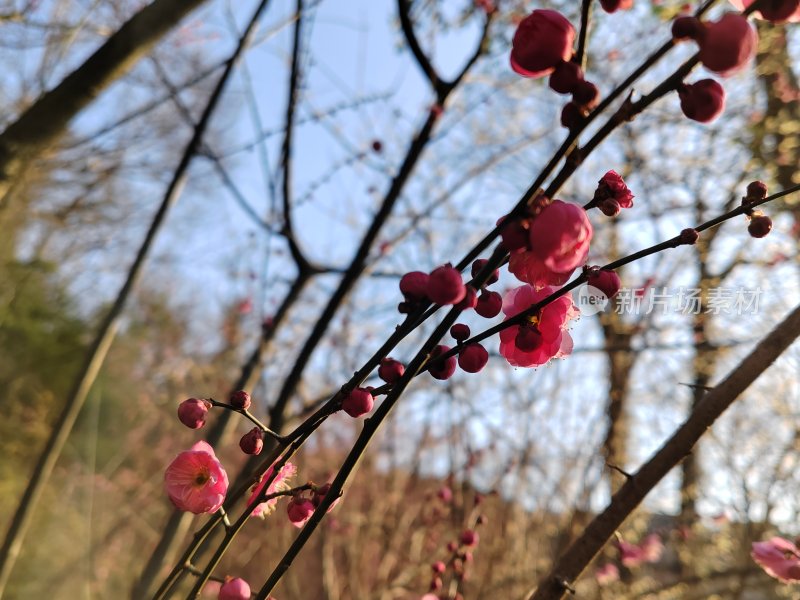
279 484
779 558
195 481
558 243
552 321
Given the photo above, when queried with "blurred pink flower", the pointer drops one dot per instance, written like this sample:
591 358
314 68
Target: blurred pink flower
608 573
785 10
648 550
195 481
279 484
555 340
652 548
779 558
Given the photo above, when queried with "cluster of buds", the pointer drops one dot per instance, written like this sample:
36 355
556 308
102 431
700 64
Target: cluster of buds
459 556
760 224
542 46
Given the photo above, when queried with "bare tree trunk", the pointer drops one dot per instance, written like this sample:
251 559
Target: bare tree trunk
618 339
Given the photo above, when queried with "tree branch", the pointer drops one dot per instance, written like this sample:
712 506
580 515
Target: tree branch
714 403
40 125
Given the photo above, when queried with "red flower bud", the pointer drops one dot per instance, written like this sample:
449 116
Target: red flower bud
299 511
489 304
687 28
414 285
473 358
442 369
470 299
445 286
586 94
702 101
239 399
319 496
390 370
192 412
612 186
607 282
234 589
727 45
611 6
689 236
358 402
460 332
566 77
478 265
571 115
469 537
438 567
515 236
252 442
756 190
445 494
609 207
543 39
760 225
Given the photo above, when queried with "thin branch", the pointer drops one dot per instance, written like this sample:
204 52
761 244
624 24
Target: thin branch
48 117
586 15
407 27
288 138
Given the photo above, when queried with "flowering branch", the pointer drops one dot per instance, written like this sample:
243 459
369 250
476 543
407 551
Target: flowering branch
426 357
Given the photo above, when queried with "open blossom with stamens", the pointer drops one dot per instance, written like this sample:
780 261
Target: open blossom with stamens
195 481
559 238
553 342
279 484
779 558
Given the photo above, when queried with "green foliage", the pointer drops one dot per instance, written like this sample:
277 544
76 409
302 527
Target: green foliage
41 342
